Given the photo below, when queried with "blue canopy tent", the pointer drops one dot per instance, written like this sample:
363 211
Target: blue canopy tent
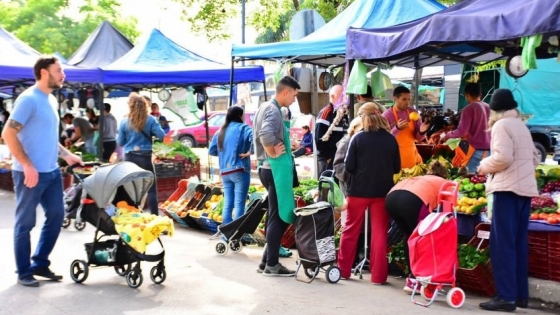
467 32
17 60
327 45
159 61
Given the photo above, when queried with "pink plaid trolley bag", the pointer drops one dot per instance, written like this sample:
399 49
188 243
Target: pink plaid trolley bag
433 251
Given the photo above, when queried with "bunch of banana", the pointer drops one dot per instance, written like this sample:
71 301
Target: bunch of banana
417 170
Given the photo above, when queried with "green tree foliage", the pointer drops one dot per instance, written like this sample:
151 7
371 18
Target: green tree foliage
50 26
269 17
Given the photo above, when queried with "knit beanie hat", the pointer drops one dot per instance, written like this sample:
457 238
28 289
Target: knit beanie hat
502 100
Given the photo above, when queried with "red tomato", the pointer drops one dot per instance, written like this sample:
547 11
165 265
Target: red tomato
534 216
552 220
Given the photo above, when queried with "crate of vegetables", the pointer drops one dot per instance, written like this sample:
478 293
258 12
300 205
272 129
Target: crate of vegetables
475 270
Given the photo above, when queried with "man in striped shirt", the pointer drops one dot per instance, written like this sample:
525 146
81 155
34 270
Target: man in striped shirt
327 117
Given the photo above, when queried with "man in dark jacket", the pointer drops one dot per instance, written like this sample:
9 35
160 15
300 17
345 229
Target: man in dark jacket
325 120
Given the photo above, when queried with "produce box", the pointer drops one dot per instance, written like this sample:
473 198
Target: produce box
167 186
478 279
538 255
553 255
169 168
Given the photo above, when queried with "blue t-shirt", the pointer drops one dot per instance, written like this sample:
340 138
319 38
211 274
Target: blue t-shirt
36 111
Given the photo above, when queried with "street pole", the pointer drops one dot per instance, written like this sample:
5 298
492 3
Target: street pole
243 26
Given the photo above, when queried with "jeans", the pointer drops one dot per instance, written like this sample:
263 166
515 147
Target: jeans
474 162
145 162
236 188
90 147
509 247
275 227
47 193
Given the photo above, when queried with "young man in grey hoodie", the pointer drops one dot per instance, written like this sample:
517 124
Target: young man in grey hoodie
109 132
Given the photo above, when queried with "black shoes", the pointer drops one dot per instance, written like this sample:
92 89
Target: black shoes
28 281
497 304
46 273
522 303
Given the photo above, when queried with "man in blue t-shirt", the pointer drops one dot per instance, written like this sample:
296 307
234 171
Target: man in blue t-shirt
31 134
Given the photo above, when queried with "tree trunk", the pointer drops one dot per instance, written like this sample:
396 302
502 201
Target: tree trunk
296 4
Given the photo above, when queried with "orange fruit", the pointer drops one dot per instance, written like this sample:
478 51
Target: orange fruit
414 116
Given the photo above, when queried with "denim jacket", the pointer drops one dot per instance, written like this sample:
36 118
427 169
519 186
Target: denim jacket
132 140
238 139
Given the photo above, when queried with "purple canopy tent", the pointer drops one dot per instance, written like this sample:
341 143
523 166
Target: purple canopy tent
468 32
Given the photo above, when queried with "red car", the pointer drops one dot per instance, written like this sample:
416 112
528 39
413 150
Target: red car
195 135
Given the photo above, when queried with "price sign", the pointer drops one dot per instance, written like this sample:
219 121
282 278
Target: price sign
485 235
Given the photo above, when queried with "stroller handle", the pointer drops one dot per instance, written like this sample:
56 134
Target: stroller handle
70 169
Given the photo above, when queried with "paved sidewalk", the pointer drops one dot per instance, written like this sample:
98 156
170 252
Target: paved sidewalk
198 282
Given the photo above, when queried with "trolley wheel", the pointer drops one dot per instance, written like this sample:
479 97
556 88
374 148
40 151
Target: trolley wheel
310 273
158 274
79 271
66 223
79 225
427 293
455 297
333 274
134 278
235 246
221 248
122 270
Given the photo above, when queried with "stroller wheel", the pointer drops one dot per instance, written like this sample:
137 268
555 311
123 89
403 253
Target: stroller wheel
122 270
66 223
310 273
427 292
79 271
134 278
158 275
221 248
235 246
333 274
455 297
79 225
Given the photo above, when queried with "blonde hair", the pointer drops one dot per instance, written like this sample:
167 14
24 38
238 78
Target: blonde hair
139 109
355 126
372 119
497 115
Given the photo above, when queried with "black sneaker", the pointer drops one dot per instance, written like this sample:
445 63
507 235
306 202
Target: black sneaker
46 273
497 304
278 271
28 281
260 268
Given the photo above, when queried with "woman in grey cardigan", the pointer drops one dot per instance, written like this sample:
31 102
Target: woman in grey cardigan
341 149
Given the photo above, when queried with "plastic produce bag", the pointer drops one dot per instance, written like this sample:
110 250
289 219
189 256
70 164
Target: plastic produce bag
357 81
380 82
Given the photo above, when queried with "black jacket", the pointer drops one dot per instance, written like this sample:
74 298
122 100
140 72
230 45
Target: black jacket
372 160
327 149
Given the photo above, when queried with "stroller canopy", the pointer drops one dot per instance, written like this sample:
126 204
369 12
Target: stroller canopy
102 185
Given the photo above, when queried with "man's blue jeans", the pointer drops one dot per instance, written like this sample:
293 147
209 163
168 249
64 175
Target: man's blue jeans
236 187
47 193
474 162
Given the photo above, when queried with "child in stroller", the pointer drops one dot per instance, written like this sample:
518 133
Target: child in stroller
123 185
73 194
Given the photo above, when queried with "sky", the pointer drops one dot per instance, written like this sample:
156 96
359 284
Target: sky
166 16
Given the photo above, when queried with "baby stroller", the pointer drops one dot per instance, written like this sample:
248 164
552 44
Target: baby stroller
73 196
433 251
127 182
315 230
245 224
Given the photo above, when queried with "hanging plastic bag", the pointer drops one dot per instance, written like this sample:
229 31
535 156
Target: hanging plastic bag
357 81
380 82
